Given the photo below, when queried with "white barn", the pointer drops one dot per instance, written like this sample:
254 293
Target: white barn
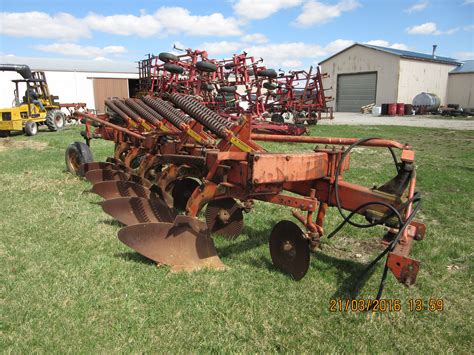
363 74
90 81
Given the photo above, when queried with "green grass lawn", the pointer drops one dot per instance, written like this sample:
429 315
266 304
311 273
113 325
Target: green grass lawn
69 285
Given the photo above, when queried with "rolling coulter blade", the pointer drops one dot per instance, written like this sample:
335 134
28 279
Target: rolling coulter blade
224 217
185 245
99 175
116 188
135 210
289 249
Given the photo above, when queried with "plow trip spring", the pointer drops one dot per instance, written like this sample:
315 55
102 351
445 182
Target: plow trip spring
174 156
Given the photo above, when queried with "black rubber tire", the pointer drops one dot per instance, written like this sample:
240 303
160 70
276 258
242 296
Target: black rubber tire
173 68
207 87
270 86
167 57
269 73
228 89
207 67
31 128
4 134
55 120
77 153
276 117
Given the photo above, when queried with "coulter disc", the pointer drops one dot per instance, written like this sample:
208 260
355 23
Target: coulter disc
185 245
135 210
289 249
224 217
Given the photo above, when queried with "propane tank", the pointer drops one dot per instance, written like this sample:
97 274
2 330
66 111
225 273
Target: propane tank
430 102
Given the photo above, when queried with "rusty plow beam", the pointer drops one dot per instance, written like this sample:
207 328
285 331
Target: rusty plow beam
185 245
329 140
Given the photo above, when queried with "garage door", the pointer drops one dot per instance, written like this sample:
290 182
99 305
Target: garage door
105 88
355 90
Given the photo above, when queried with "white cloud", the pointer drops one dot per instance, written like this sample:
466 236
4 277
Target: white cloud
464 55
255 38
61 26
76 50
468 28
291 55
384 43
315 12
165 21
178 20
260 9
125 25
430 28
221 48
417 7
468 2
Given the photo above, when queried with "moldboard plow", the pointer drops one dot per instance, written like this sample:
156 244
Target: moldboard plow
174 157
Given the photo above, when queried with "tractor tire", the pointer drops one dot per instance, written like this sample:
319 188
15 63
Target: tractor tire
55 120
276 117
269 73
77 153
228 89
31 128
207 67
173 68
4 134
167 57
270 86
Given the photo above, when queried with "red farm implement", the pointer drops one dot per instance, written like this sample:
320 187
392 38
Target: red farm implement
175 157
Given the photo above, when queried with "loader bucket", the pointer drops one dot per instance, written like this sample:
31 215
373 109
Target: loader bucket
116 188
135 210
185 245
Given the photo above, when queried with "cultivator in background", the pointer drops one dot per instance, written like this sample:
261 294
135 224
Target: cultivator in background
240 85
174 157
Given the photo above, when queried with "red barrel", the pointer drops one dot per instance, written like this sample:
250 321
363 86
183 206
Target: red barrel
392 109
400 109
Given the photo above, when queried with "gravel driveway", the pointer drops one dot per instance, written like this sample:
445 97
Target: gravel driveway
351 118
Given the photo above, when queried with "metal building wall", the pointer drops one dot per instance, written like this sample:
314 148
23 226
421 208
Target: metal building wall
359 59
461 89
418 76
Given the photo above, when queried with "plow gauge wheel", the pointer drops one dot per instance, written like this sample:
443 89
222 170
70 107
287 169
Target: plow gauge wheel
289 249
224 217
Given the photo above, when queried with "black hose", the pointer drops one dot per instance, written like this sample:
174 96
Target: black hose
401 223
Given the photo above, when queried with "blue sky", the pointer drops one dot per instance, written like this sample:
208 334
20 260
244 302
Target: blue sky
286 33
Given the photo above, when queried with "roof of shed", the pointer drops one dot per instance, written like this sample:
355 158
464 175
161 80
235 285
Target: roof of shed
72 65
403 54
466 67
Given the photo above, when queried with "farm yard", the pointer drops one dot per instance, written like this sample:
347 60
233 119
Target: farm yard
69 285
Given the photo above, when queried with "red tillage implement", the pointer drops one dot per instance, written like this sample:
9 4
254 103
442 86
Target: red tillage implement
174 157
